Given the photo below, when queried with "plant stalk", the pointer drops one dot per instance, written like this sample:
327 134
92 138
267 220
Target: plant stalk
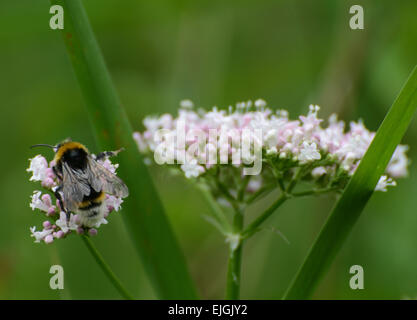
143 213
254 226
216 211
235 260
106 268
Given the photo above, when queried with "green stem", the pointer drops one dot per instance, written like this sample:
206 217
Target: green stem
281 184
217 212
242 188
254 226
260 193
299 172
235 260
105 267
278 176
286 194
223 189
314 192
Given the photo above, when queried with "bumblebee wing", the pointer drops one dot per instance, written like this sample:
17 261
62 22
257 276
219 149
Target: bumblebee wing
75 186
102 179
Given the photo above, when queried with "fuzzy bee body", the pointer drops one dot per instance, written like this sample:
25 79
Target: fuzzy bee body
91 210
84 182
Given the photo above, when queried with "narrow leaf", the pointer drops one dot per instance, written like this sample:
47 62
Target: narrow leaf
142 211
357 193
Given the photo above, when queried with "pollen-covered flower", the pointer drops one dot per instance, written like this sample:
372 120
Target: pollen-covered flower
57 224
221 147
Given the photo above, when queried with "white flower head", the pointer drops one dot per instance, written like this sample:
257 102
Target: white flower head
309 152
318 172
40 235
313 109
239 106
229 141
398 165
192 169
100 222
254 185
385 182
186 104
66 225
271 151
38 203
38 166
260 103
106 163
140 141
113 203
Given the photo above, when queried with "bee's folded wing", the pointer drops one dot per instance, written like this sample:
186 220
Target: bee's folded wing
102 179
75 187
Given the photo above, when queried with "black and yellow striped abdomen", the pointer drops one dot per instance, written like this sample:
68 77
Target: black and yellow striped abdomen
93 200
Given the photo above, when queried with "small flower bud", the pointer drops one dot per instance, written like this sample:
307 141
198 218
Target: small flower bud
49 239
48 182
77 219
60 234
46 198
47 225
51 211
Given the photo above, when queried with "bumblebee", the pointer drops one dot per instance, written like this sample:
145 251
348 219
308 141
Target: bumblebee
83 181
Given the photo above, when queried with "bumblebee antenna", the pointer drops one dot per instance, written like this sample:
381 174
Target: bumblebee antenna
42 145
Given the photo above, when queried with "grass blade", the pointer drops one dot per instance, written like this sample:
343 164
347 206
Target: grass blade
357 193
143 213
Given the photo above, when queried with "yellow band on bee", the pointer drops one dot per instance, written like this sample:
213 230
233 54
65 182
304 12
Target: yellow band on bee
68 146
100 198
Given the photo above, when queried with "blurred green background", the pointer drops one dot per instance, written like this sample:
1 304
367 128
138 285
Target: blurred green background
291 53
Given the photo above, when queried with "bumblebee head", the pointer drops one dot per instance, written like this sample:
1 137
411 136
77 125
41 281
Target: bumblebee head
55 148
66 149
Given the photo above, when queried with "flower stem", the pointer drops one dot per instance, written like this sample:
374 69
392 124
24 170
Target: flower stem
143 214
260 193
242 188
216 211
286 194
235 259
105 267
314 192
254 226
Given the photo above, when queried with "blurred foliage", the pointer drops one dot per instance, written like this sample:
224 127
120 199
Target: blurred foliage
291 53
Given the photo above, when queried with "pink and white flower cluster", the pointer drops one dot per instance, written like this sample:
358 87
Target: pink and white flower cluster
328 153
56 224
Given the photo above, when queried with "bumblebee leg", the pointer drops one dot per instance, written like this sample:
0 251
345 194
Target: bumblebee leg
56 172
108 154
58 197
61 204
